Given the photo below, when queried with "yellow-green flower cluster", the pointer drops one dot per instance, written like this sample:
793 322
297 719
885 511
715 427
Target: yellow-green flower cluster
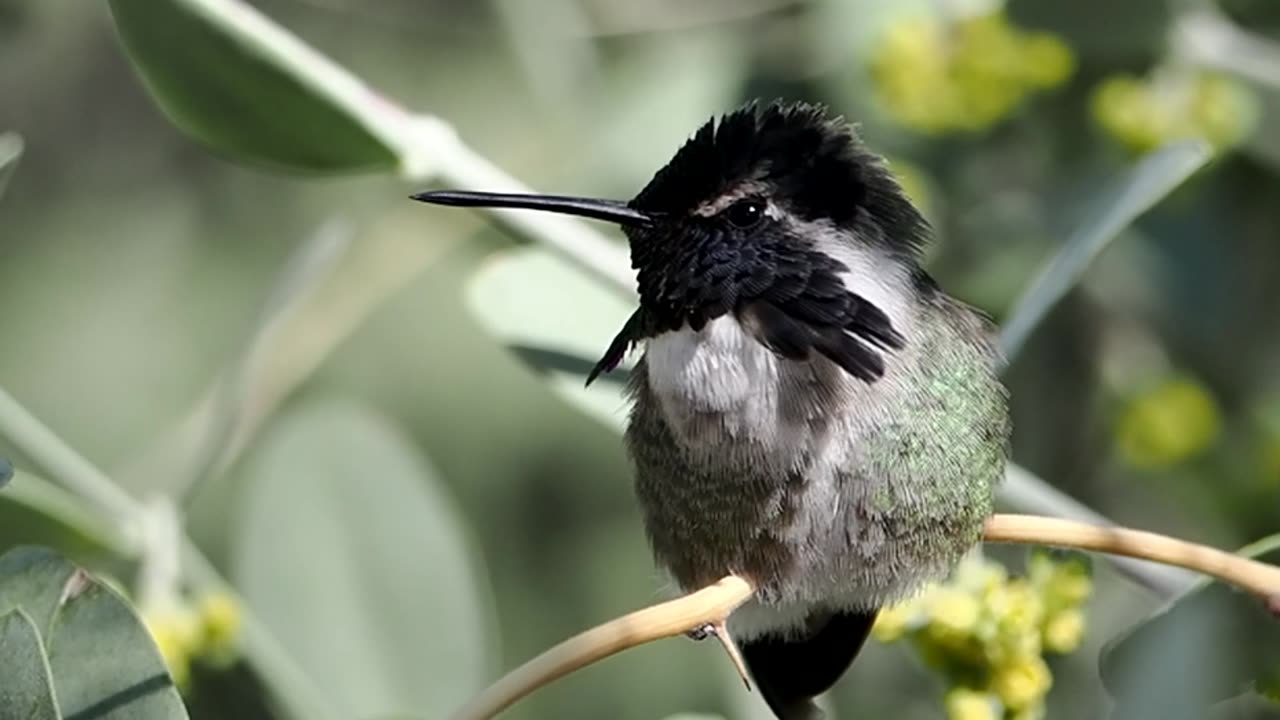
936 75
1168 424
1143 114
205 631
987 633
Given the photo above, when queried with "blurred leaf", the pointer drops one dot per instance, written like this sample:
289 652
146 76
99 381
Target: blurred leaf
104 663
1206 646
667 88
246 87
558 320
291 343
344 519
309 267
26 685
1117 206
6 472
10 150
35 511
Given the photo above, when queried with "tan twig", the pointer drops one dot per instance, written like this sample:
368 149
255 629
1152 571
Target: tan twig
712 606
1258 578
709 606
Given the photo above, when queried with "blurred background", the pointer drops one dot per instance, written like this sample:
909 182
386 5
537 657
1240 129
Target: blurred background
408 507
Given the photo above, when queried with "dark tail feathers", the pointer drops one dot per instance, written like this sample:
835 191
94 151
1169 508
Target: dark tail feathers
790 673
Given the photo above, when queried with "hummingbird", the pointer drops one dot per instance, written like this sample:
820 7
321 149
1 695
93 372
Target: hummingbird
810 411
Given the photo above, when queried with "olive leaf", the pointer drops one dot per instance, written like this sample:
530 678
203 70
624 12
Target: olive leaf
246 87
98 657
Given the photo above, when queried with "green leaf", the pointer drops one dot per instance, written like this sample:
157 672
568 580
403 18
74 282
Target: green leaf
1206 646
26 683
105 664
35 511
246 87
523 295
101 658
1116 207
342 517
10 150
33 578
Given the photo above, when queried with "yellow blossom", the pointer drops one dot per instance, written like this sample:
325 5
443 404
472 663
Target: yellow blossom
1168 424
953 611
937 75
1063 631
220 618
892 623
1023 683
965 704
1143 114
176 633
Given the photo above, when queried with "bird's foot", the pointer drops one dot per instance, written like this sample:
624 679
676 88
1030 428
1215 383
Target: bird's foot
702 633
721 633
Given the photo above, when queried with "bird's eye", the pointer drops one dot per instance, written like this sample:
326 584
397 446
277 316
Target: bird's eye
745 214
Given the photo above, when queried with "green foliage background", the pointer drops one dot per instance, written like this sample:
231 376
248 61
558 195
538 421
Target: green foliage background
424 511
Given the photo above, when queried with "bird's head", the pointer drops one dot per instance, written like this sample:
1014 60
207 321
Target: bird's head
759 215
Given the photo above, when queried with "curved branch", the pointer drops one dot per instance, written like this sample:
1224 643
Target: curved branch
711 606
1258 578
708 606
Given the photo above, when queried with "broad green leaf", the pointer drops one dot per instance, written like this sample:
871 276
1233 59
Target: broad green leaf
102 660
353 556
33 578
10 151
558 320
26 684
1116 207
1208 645
35 511
105 664
246 87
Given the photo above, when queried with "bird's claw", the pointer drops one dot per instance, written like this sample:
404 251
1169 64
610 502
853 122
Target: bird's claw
702 633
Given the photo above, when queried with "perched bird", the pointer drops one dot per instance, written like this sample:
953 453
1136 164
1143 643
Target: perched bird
811 411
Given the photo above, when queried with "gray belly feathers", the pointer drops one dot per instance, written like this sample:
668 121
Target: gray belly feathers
828 492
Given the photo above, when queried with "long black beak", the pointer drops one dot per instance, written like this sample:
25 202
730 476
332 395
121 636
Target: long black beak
610 210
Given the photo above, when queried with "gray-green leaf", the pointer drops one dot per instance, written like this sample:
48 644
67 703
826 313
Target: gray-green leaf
105 664
1206 646
100 656
353 556
246 87
33 578
26 685
523 296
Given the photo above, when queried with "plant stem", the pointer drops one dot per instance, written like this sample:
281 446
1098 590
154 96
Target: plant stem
60 462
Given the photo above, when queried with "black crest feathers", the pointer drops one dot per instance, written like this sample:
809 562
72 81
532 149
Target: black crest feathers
814 162
699 258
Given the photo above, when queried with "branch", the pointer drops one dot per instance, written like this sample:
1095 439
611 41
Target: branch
711 606
1255 577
